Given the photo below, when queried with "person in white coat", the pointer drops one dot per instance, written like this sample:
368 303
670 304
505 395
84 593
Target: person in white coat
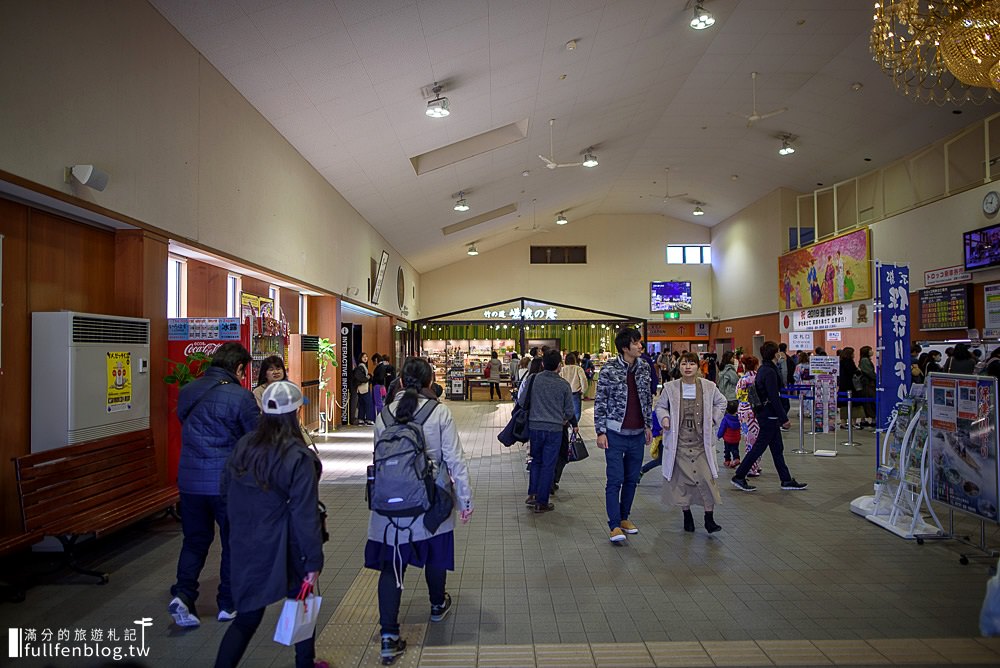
689 410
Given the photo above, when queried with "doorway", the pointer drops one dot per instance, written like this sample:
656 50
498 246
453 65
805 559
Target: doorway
758 341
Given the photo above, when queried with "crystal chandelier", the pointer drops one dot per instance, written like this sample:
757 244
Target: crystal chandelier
941 53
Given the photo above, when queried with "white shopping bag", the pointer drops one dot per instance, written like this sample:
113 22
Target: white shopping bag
298 619
989 615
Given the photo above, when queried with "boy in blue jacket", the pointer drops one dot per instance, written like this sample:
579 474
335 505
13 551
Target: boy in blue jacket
729 432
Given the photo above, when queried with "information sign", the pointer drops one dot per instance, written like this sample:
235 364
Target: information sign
963 443
945 308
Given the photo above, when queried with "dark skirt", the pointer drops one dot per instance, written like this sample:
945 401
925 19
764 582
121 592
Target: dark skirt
437 552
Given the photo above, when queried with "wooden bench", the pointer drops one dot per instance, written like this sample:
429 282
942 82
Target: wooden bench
90 490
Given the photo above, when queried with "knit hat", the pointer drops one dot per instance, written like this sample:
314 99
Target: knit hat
281 397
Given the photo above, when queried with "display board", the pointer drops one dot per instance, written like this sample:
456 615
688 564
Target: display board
948 307
824 370
963 442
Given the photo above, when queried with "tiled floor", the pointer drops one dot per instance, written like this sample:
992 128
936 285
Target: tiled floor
794 578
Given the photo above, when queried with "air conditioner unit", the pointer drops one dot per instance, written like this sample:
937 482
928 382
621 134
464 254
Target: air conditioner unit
89 377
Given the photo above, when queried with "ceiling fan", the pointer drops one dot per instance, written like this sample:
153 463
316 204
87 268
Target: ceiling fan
550 162
666 188
756 116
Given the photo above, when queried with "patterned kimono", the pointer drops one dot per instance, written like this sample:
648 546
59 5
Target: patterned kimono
748 421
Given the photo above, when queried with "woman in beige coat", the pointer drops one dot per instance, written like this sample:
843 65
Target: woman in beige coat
689 410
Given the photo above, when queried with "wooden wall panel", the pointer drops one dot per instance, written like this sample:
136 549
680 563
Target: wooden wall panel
206 290
49 264
324 322
743 330
255 286
15 359
290 309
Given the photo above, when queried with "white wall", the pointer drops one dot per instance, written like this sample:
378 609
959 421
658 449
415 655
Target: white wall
624 253
931 237
115 85
745 250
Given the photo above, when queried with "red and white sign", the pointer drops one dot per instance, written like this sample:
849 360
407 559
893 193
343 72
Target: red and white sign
956 274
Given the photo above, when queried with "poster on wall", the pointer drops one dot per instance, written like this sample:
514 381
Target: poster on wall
963 443
829 272
991 306
893 339
119 381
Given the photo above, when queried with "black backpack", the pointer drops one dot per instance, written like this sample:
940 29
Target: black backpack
754 397
403 476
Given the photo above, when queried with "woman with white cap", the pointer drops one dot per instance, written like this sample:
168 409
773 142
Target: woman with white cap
271 487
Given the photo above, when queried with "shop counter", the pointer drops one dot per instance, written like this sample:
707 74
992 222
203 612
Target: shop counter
478 388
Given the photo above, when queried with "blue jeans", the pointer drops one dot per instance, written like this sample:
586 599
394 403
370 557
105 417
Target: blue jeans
544 455
578 404
623 460
199 515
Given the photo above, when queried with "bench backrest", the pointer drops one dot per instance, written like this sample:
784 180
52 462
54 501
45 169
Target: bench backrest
78 478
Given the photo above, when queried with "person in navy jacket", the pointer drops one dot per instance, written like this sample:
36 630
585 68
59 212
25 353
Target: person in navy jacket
215 411
770 418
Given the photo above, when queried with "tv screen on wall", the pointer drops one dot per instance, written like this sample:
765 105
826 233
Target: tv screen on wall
665 296
982 247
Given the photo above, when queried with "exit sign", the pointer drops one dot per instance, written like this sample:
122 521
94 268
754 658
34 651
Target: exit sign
672 315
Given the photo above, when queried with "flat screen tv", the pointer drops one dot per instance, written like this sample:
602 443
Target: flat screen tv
666 296
982 248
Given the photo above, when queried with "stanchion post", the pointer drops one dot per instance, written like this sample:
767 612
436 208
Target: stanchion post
801 450
850 423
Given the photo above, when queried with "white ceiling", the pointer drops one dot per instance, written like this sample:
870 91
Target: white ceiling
343 81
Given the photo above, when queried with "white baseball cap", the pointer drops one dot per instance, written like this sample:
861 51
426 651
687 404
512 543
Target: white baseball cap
281 397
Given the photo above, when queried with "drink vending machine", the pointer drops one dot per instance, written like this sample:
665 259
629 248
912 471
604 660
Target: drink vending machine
186 336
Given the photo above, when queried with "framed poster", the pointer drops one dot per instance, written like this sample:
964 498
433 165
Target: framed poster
379 277
963 443
829 272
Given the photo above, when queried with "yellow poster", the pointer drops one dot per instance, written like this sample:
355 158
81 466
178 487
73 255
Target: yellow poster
119 382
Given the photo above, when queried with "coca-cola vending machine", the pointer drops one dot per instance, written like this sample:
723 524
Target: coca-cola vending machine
186 336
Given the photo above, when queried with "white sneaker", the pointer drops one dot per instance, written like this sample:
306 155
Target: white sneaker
227 615
182 615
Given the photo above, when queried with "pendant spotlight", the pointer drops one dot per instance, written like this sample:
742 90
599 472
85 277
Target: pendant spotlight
438 107
698 211
786 146
472 250
561 219
461 204
589 159
702 17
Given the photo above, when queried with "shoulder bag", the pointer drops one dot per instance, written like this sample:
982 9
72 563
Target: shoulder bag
516 430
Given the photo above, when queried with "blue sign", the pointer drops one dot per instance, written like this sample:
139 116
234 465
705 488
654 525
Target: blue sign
893 305
177 329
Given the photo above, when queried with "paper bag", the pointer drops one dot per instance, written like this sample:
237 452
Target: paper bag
298 620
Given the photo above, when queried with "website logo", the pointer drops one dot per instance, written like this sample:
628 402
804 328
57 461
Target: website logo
113 644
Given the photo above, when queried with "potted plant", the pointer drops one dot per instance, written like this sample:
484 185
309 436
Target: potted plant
326 356
184 372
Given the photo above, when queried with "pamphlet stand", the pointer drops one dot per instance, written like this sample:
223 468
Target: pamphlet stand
901 494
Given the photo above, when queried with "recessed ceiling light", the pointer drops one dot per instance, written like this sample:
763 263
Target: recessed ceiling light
571 45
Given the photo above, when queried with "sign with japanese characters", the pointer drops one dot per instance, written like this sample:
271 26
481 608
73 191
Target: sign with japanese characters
518 313
946 308
893 285
800 341
822 317
956 274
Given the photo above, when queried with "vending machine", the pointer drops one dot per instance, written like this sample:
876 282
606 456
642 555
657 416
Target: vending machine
187 336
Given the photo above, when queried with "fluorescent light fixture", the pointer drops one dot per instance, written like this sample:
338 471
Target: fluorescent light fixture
461 204
473 250
438 107
561 219
589 159
702 17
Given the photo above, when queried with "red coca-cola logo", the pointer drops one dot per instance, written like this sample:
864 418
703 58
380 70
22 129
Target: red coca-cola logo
201 347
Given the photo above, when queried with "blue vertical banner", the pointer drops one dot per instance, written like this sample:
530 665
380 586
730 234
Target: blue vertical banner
893 307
